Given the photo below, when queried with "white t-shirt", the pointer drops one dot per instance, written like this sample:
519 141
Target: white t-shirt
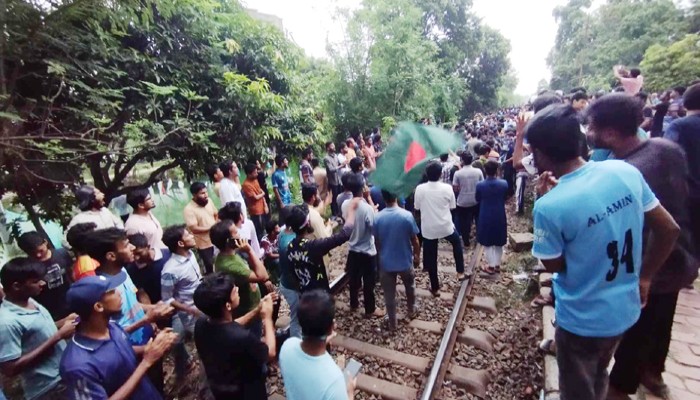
529 164
229 191
103 219
435 200
247 231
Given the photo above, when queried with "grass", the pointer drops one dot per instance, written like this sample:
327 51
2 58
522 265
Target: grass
518 291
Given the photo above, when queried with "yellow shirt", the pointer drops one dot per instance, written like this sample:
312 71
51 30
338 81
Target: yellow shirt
196 215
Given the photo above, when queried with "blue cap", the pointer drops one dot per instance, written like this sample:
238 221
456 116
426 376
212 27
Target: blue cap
83 295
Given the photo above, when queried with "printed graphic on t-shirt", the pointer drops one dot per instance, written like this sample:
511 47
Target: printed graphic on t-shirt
54 276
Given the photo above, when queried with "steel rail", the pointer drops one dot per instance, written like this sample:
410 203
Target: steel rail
447 344
339 283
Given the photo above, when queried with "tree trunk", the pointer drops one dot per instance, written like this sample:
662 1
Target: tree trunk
34 217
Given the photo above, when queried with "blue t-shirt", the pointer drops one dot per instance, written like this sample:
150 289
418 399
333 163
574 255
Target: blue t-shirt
310 377
394 227
594 218
22 330
96 369
132 312
281 182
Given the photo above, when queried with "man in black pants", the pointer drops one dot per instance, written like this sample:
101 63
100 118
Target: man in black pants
642 352
362 257
464 183
434 200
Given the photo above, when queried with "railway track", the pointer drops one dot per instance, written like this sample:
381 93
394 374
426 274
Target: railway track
417 362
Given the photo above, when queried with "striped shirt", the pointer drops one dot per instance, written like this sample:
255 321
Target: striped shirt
179 279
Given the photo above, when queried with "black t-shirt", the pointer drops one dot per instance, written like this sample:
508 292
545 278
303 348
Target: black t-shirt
58 280
306 258
234 359
148 277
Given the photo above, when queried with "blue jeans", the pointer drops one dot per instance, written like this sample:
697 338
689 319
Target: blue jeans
183 325
292 298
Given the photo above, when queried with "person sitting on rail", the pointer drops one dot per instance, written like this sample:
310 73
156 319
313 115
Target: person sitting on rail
588 229
305 255
234 358
309 372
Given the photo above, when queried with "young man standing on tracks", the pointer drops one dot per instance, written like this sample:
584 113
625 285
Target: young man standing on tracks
362 257
434 200
588 230
305 255
640 358
396 233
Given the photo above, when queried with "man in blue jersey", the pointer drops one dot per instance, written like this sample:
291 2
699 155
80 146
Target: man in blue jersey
588 230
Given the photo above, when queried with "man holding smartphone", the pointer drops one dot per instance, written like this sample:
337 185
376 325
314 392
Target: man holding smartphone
309 372
247 273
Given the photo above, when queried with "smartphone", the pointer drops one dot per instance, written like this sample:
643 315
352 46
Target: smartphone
352 368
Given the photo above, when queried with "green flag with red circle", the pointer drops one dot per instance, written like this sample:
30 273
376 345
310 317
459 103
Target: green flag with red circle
402 164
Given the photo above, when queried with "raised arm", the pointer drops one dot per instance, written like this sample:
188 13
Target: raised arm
520 123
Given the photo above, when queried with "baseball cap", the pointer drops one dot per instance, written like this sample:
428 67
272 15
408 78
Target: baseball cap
83 295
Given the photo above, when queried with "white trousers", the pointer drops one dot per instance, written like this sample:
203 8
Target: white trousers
494 255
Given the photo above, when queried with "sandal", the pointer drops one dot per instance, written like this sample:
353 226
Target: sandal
488 272
541 301
548 346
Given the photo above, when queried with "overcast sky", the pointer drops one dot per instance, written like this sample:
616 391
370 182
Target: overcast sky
528 25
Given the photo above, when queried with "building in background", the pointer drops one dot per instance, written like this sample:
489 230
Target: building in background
269 18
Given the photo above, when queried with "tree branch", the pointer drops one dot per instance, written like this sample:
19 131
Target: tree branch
152 178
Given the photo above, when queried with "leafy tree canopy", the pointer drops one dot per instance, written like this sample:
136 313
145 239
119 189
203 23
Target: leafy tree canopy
589 43
408 59
670 66
105 86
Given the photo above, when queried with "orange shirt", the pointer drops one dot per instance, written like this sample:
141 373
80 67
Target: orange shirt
84 266
251 188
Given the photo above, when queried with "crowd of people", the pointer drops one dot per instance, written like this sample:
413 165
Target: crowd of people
616 218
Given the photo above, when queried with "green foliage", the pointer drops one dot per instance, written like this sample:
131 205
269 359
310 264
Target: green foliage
589 43
669 66
409 59
108 86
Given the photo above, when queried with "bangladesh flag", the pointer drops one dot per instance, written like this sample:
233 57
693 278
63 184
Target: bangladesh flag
401 166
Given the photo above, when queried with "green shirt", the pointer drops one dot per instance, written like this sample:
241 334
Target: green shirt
249 292
21 331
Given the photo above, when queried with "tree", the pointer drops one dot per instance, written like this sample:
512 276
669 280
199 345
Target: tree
488 72
108 86
410 59
674 65
384 67
589 43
